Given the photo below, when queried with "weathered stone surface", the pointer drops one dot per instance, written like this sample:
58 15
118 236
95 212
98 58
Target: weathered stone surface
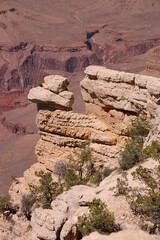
75 125
98 72
40 95
73 203
30 236
154 134
55 83
119 90
122 235
58 222
46 223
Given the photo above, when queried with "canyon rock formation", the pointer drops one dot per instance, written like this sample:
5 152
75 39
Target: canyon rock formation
113 99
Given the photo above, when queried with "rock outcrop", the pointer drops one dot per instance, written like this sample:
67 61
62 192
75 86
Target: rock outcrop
113 99
60 222
121 91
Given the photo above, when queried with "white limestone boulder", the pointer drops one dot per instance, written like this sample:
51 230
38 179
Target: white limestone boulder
55 83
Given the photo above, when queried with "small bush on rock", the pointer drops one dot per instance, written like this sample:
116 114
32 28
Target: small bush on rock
133 152
39 84
100 174
81 168
47 191
122 186
5 204
144 202
99 219
152 151
27 204
6 207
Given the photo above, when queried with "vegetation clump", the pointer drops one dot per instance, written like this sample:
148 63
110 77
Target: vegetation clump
133 152
6 207
122 186
99 219
47 190
5 204
79 170
144 202
39 84
147 204
27 202
152 150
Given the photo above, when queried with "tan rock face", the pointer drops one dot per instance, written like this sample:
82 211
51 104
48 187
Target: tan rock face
69 205
112 99
119 90
62 132
55 83
53 94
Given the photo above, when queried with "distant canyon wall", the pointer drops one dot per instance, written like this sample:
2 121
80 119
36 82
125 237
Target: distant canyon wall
22 64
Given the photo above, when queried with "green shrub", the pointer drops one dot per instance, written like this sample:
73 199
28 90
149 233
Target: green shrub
133 152
27 203
80 168
107 171
152 151
6 205
147 204
122 186
139 128
47 191
144 174
131 155
39 84
99 219
145 201
100 174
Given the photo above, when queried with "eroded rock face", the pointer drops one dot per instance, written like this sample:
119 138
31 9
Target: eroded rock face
154 134
60 222
121 91
53 94
113 99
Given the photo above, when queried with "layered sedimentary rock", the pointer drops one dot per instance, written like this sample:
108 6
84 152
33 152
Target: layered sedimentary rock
113 99
121 91
62 131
